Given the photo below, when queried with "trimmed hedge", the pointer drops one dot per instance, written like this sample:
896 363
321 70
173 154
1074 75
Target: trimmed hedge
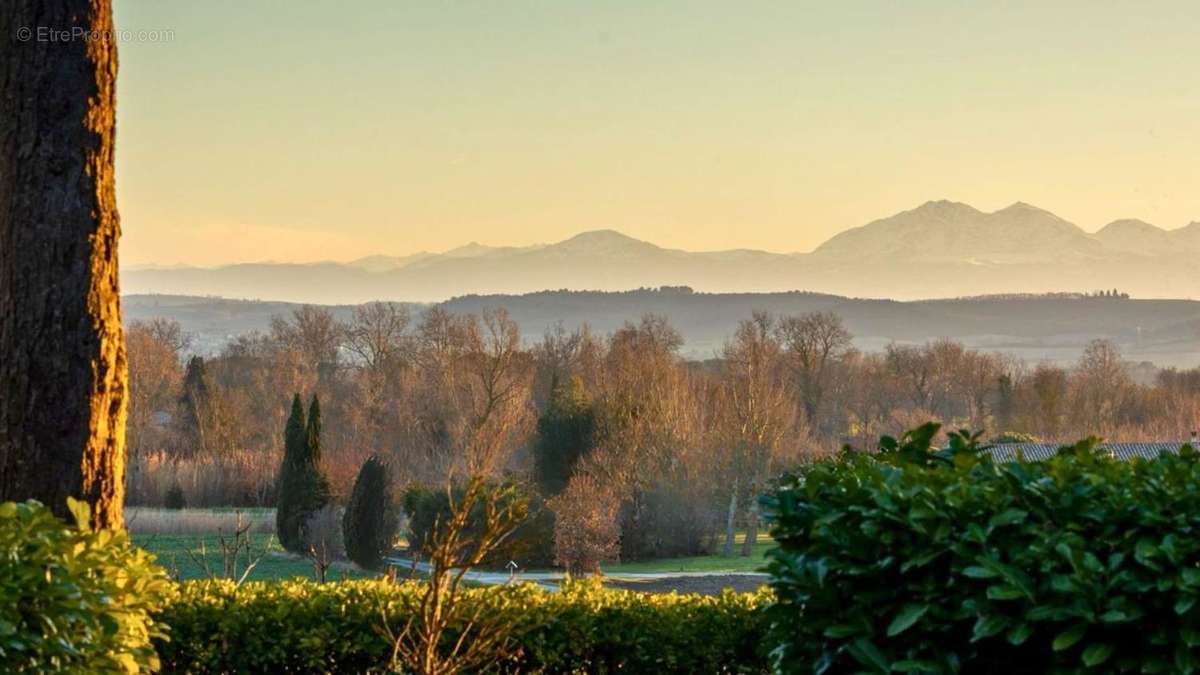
940 562
302 627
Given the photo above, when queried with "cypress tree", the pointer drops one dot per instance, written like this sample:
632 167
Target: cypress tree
195 408
287 501
313 433
316 484
303 489
295 439
370 520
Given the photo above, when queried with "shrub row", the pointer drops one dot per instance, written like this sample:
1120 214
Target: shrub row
917 560
304 627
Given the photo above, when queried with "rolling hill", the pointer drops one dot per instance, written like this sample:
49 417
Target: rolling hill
1055 327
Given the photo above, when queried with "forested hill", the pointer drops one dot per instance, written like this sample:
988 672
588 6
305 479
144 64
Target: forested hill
1055 327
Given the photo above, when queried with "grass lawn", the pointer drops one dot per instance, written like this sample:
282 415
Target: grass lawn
172 551
703 563
171 534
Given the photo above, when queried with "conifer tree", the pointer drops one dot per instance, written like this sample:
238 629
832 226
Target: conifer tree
303 489
565 434
195 409
316 484
295 438
313 433
370 520
287 497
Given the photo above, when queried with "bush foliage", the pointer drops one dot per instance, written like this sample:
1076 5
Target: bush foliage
566 432
299 626
369 524
917 560
531 544
73 599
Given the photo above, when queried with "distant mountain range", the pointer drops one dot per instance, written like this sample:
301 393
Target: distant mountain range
939 249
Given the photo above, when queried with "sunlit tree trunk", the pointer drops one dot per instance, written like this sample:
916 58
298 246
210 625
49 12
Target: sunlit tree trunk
731 521
752 519
62 354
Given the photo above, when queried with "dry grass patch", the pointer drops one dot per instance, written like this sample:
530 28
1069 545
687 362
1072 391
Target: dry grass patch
150 520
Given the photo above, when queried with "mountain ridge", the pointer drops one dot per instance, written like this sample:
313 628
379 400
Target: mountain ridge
1019 248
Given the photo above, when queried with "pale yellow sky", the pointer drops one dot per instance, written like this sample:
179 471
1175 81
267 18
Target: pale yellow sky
334 130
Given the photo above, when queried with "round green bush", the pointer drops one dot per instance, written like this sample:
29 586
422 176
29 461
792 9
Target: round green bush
175 498
531 544
73 599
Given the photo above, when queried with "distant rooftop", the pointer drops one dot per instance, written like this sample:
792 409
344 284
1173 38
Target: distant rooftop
1039 451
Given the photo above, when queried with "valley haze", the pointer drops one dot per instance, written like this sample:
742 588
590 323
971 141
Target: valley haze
1052 328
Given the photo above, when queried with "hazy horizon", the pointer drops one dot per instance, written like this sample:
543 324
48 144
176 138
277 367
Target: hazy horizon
318 134
500 244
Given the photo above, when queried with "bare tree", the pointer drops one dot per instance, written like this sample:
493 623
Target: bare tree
323 540
480 520
586 530
238 556
913 368
168 332
154 381
813 342
378 334
314 333
650 420
559 356
63 373
1101 386
754 414
496 393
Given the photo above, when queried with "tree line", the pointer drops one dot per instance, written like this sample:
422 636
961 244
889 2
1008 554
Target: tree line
632 449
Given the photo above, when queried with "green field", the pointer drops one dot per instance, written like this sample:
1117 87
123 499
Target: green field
171 534
703 563
173 554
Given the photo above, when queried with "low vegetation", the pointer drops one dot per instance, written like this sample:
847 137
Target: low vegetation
911 558
73 599
300 626
943 561
145 520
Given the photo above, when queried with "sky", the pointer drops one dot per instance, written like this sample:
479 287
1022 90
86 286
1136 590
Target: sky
304 130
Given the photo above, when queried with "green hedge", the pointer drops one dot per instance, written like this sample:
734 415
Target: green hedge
72 599
940 562
302 627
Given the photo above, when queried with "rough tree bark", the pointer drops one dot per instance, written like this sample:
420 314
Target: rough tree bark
62 353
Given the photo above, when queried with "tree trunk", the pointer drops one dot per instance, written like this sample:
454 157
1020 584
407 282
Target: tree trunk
62 352
731 521
751 524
